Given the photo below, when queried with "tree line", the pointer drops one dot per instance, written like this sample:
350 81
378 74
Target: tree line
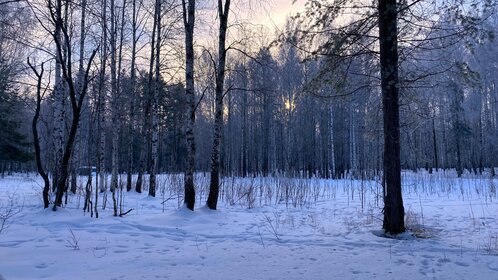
135 87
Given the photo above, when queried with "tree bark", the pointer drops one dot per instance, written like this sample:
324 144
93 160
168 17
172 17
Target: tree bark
214 186
434 140
155 94
58 112
147 111
132 95
36 139
244 128
114 110
76 100
388 36
189 21
101 170
331 142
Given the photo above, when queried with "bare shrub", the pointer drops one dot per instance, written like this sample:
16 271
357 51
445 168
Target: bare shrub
273 224
491 244
8 210
72 241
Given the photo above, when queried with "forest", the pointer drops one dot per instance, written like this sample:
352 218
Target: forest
124 97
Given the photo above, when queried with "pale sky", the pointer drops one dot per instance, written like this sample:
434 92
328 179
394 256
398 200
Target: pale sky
268 14
277 11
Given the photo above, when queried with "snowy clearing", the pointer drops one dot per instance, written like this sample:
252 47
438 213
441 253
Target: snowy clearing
265 228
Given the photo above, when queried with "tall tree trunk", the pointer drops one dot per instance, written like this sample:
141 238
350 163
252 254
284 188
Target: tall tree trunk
265 154
81 71
76 100
87 207
68 150
481 143
434 142
101 170
444 153
58 112
352 141
132 95
155 94
36 139
119 89
388 36
214 186
459 166
331 142
189 21
146 134
114 110
245 128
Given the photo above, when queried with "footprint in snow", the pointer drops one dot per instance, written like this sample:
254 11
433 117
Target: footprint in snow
462 264
120 251
401 261
493 266
443 260
41 266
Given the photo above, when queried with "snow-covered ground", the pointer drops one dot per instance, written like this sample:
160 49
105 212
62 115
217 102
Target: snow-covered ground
265 228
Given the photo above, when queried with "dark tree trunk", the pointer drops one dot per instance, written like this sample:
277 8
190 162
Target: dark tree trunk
212 200
154 95
74 185
36 140
481 144
459 166
132 97
61 183
114 110
388 36
436 165
147 113
244 132
76 100
138 185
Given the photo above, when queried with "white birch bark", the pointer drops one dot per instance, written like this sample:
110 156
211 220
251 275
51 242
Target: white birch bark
58 114
102 103
223 11
189 21
155 93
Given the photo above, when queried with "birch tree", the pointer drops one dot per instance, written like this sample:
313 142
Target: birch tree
188 7
132 93
148 107
223 11
155 94
76 98
59 112
114 106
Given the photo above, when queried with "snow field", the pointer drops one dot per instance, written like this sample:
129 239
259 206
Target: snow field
265 228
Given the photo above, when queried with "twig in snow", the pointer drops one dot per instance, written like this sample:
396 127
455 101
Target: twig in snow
72 241
261 237
273 227
123 214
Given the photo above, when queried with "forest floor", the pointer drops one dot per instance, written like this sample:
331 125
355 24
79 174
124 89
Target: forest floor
265 228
